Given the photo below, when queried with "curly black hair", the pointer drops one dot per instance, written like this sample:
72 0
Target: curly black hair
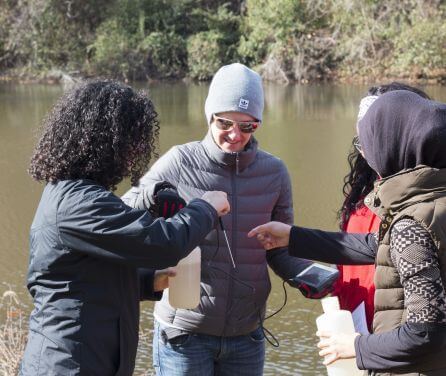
100 130
359 181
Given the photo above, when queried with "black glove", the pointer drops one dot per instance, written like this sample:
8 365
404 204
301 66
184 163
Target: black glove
166 201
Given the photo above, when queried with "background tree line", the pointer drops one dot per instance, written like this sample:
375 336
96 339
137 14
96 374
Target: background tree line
286 40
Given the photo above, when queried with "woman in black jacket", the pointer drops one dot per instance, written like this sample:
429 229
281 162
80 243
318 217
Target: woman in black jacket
86 244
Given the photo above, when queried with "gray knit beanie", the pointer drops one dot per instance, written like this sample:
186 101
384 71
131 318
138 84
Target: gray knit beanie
237 88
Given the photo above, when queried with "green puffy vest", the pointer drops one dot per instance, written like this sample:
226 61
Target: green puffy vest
419 194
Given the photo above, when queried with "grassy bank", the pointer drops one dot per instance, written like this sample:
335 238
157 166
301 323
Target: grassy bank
286 40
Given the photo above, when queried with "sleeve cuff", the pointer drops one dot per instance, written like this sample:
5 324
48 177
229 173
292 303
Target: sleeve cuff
212 212
146 279
292 246
359 361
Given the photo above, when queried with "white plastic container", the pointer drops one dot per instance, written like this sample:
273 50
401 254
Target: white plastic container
336 320
184 288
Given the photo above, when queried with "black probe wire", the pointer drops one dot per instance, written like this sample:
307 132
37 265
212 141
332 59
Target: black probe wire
266 332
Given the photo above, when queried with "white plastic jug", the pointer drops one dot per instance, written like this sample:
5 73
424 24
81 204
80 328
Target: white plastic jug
184 288
336 320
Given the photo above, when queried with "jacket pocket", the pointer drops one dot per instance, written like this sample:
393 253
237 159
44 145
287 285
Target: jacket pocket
179 341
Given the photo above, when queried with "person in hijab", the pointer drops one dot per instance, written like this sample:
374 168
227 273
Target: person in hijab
403 138
355 287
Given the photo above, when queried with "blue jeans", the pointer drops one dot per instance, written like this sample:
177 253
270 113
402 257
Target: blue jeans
205 355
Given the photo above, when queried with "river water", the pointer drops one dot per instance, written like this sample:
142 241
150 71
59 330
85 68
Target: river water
309 127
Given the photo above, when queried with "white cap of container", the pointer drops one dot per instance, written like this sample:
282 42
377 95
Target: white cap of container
330 304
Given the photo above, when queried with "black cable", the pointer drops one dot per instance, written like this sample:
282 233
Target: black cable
266 332
218 246
283 305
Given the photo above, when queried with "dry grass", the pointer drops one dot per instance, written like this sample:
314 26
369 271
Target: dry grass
13 333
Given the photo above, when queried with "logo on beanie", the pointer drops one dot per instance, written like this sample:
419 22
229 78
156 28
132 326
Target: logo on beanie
244 103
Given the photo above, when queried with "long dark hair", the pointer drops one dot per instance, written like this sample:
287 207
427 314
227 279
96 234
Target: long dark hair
359 181
100 130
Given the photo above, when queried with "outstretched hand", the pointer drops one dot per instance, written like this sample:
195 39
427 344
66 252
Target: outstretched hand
272 234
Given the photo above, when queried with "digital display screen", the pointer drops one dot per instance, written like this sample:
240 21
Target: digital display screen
316 276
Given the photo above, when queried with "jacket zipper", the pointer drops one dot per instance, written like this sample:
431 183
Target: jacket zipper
233 238
237 161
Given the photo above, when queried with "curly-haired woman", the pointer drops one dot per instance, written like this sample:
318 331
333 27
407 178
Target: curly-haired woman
86 244
355 284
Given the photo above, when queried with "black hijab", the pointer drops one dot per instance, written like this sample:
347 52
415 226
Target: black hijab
401 130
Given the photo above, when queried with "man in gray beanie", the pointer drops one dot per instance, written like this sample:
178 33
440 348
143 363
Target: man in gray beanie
224 334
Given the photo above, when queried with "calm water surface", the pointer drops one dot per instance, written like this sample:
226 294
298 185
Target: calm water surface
309 127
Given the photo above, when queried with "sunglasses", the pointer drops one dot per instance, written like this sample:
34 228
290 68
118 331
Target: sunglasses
227 124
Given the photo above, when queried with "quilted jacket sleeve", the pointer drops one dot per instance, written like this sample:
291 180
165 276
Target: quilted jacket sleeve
101 225
165 169
279 260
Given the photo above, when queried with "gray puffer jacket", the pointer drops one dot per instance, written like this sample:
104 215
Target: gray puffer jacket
259 190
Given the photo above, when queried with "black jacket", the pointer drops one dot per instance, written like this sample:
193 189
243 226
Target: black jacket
85 246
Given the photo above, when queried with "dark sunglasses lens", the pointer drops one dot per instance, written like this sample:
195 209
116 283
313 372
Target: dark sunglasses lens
224 124
248 127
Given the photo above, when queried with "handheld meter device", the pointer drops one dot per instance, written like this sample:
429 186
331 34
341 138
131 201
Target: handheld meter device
316 277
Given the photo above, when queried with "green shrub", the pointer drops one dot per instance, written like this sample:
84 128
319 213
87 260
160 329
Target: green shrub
420 49
176 16
113 52
285 40
165 55
62 30
268 25
8 52
204 54
288 38
53 47
393 38
208 50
